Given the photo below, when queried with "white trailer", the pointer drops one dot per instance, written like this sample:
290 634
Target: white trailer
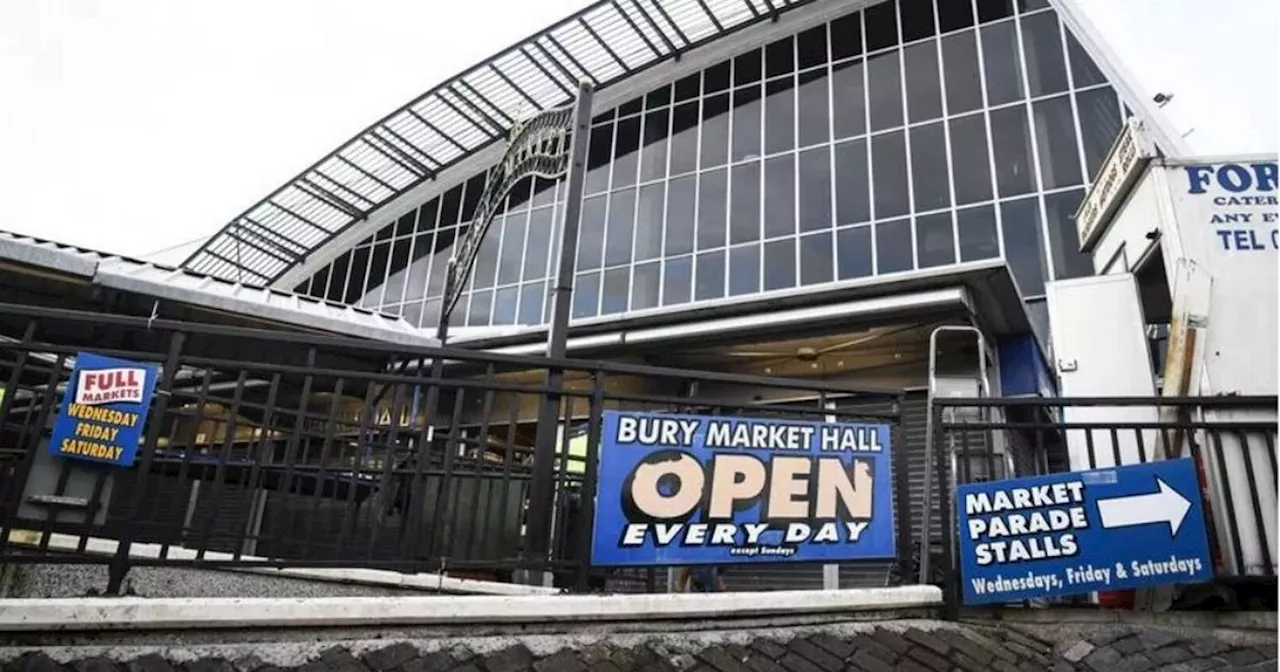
1208 231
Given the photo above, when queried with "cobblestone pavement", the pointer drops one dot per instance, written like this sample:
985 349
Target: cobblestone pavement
969 648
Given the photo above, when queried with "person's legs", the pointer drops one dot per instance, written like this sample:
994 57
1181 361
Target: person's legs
707 579
684 576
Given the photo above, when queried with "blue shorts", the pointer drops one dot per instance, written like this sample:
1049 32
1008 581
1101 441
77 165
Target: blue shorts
704 579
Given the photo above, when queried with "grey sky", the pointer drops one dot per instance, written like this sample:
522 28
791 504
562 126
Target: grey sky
135 126
1220 59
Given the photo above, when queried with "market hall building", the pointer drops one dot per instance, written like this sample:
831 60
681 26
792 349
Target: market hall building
789 189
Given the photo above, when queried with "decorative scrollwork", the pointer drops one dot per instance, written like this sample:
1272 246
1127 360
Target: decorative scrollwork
538 146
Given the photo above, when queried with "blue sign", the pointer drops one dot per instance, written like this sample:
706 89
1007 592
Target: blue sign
104 410
1023 371
1080 532
688 490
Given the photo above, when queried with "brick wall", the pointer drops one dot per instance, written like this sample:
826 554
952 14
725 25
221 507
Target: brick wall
916 646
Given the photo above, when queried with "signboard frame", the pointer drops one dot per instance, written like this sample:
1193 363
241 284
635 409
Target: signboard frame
104 410
1077 532
731 521
1129 155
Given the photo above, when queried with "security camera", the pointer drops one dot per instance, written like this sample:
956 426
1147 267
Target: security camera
1162 98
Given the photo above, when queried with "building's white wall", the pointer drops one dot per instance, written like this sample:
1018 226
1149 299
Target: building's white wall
1241 351
1237 295
1128 233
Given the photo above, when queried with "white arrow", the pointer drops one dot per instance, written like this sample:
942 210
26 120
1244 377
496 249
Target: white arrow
1165 506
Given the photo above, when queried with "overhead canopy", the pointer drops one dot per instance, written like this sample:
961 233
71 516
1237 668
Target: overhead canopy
985 289
23 255
607 42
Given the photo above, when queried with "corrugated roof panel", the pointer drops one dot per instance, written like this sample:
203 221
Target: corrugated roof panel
518 68
359 156
498 93
695 23
475 109
734 12
350 177
197 289
644 45
583 41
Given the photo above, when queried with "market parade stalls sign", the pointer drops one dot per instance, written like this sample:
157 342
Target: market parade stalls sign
686 490
104 410
1079 532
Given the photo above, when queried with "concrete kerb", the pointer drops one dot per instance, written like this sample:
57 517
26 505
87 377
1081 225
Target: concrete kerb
117 614
1072 626
370 577
1190 621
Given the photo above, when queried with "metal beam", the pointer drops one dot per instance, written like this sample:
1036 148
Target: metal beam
775 12
672 22
556 62
596 36
542 488
396 156
435 129
283 242
574 61
240 268
336 202
481 98
552 78
550 56
711 15
409 145
654 24
489 127
298 217
339 185
243 241
514 87
647 42
282 254
362 171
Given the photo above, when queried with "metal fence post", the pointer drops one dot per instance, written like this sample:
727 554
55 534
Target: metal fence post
11 491
946 522
587 496
119 565
542 488
902 495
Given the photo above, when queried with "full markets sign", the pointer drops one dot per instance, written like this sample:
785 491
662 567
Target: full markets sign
103 410
686 490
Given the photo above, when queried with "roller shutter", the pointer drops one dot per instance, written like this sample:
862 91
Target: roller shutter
163 511
220 515
910 441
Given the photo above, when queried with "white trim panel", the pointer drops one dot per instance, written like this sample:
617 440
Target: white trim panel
865 309
150 614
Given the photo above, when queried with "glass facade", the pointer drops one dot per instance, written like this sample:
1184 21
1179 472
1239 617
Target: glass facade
907 136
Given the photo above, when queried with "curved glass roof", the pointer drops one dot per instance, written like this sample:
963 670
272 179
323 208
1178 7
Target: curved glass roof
606 42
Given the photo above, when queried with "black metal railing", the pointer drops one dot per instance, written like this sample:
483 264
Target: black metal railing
275 449
1231 439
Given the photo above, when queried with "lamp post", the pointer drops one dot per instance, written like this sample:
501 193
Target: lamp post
542 489
551 144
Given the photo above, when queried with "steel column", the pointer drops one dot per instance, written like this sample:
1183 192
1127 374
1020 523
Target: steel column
542 489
